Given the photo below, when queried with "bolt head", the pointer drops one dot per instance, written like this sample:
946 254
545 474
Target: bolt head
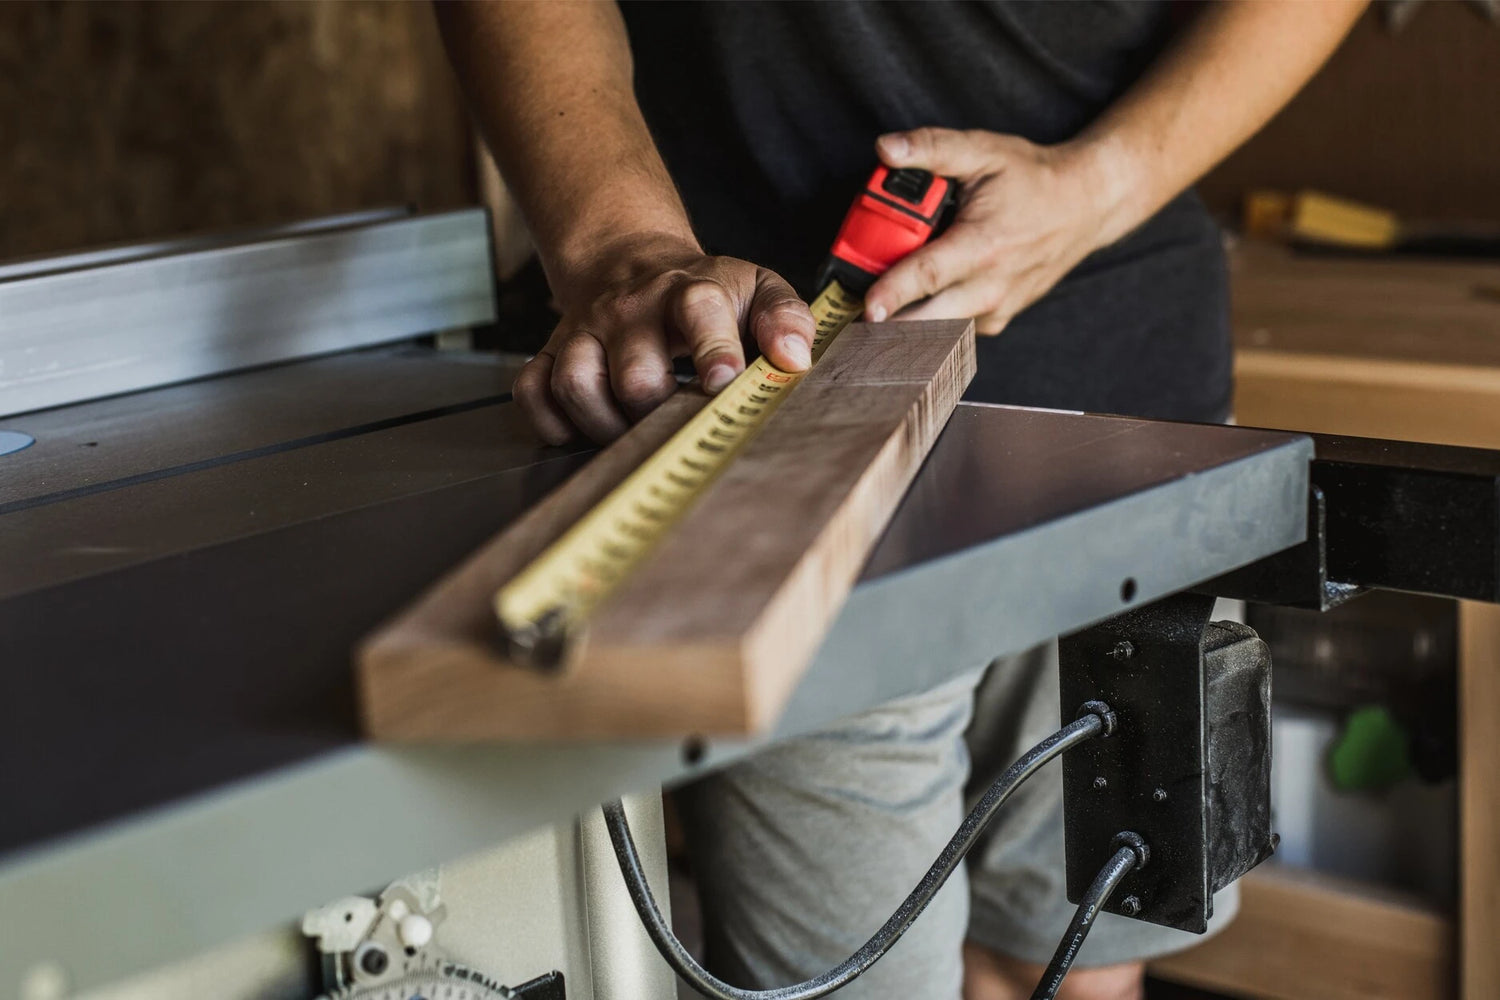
1130 906
1100 783
373 960
1160 795
1123 650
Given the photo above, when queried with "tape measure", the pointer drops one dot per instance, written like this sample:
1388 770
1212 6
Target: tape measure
547 604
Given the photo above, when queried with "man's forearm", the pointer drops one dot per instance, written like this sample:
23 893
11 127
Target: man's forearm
551 85
1233 68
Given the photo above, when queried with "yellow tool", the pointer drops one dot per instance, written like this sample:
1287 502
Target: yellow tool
550 598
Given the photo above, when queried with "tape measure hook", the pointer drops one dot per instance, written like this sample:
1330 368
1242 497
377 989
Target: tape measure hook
541 644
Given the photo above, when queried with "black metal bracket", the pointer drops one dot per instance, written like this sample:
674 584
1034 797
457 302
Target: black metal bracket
1389 515
1188 766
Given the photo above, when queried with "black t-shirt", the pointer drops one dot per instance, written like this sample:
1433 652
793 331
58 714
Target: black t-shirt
766 114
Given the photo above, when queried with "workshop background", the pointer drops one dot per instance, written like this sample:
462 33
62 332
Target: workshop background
128 121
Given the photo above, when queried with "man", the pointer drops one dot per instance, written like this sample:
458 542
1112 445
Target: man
1073 130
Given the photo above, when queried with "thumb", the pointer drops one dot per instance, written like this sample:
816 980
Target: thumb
944 151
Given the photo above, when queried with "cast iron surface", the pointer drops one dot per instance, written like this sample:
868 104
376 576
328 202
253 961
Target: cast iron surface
186 570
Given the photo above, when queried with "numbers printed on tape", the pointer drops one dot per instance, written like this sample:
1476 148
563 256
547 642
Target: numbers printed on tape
553 595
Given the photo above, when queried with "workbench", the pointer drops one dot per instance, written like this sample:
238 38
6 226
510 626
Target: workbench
184 569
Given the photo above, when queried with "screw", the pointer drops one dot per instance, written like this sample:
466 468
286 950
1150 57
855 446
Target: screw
1130 906
1124 650
1160 795
1100 783
374 960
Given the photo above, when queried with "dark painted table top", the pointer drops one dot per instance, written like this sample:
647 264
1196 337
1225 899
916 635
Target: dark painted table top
183 572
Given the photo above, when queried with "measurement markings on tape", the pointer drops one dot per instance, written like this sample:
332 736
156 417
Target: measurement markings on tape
553 595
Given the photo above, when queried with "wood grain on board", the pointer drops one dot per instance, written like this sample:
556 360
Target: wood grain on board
1420 309
1396 348
710 634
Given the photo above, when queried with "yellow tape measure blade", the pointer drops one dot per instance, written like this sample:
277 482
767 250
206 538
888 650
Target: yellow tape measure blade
542 610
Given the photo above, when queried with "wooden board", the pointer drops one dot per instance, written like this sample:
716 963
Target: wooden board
1403 349
1392 308
710 634
1403 400
1300 935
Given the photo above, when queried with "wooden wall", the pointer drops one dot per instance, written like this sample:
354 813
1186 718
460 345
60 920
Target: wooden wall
1410 121
128 120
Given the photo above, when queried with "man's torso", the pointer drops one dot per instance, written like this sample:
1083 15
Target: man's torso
767 113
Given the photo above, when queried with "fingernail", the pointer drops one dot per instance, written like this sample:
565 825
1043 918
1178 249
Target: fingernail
876 314
718 377
797 352
896 146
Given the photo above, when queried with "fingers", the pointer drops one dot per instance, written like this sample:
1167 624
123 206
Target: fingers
944 151
640 370
532 391
580 385
941 264
707 320
973 299
781 323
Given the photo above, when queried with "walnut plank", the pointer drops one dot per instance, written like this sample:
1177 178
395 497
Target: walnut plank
711 632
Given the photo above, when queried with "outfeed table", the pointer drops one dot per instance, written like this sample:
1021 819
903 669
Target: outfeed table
184 571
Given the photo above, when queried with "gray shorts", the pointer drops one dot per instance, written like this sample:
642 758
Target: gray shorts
801 852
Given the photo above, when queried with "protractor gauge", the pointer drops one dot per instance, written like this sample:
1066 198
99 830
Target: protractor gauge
385 949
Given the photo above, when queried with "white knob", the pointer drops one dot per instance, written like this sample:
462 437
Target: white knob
415 930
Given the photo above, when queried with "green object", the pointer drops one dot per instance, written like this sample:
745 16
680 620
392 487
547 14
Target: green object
1371 754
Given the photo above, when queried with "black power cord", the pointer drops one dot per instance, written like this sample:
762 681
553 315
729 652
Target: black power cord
1095 719
1130 855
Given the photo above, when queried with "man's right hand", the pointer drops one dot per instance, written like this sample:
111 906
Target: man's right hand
638 305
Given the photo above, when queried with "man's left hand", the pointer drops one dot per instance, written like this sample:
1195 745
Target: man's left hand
1027 215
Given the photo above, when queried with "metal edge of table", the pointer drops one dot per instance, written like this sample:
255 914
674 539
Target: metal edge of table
177 880
205 312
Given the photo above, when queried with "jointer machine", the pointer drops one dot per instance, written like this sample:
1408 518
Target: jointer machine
226 460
